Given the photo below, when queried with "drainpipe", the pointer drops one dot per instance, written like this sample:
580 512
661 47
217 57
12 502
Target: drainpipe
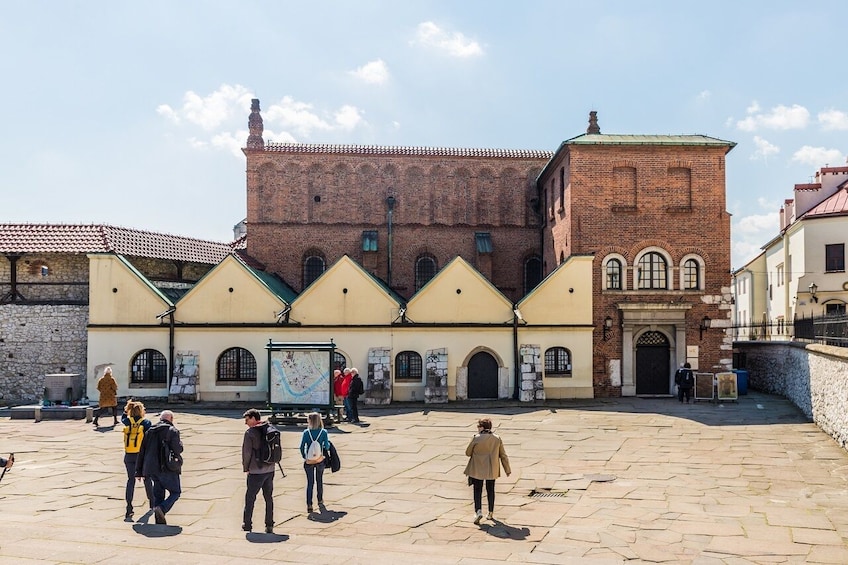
170 346
391 203
516 357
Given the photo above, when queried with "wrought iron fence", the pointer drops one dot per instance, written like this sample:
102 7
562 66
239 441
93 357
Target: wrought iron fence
829 330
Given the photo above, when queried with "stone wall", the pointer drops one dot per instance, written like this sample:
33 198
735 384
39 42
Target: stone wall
436 365
36 340
532 384
814 377
378 382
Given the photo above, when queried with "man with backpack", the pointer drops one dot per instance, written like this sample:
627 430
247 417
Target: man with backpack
685 380
159 460
260 449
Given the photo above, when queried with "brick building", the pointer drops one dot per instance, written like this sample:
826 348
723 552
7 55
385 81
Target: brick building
650 208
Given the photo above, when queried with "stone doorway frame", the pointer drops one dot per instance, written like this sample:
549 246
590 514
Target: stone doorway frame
462 374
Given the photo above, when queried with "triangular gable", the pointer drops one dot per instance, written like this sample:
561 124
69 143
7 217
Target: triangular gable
120 294
563 297
345 294
232 292
459 294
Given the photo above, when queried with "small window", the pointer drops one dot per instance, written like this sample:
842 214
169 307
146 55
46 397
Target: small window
834 260
149 366
484 242
425 269
408 367
557 362
369 240
691 275
236 365
532 273
614 274
339 361
653 271
313 267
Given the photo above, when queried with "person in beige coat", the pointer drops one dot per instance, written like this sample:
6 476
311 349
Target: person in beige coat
108 388
486 455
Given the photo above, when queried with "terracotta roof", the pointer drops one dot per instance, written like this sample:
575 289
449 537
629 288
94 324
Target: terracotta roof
405 150
75 238
835 205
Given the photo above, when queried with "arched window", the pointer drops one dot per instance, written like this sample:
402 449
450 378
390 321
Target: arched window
691 275
653 271
557 362
614 274
236 365
313 267
532 273
339 361
148 366
425 269
408 367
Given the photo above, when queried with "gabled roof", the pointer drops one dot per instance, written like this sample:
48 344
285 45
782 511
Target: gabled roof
406 150
102 238
835 205
620 139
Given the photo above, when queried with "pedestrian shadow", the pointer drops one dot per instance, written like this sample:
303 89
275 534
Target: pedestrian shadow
325 516
505 531
258 537
157 530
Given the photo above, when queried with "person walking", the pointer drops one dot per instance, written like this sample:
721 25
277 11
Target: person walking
260 475
684 379
108 389
151 465
313 464
486 455
135 428
354 392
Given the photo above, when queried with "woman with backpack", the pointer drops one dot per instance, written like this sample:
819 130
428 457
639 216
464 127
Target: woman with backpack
135 426
312 445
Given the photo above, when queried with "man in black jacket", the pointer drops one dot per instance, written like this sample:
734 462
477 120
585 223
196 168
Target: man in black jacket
260 475
684 379
160 439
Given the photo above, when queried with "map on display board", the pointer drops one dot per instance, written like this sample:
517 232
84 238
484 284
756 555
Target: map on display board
300 377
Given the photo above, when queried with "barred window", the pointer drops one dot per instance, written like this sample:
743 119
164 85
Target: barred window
653 271
691 275
236 365
149 366
425 269
339 361
614 274
313 267
408 366
557 362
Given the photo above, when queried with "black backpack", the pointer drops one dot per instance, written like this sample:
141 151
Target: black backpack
270 449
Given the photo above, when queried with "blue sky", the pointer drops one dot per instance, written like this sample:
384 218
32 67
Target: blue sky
134 113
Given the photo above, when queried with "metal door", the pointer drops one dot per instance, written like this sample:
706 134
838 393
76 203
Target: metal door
482 376
652 364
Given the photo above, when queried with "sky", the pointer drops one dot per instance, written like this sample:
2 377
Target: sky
134 113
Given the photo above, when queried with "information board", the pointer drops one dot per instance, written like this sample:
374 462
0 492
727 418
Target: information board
300 375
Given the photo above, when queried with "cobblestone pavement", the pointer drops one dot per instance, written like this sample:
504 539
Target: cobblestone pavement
602 481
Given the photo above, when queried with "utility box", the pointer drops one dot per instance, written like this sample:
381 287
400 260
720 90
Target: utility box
63 387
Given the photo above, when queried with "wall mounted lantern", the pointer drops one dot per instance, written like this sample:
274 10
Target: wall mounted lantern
607 328
706 323
813 288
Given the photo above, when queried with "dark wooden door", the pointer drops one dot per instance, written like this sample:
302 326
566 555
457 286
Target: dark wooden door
652 364
482 376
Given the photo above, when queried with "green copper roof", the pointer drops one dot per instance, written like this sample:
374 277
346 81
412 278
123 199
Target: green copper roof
616 139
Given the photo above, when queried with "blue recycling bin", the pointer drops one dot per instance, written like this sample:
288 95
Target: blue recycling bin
741 380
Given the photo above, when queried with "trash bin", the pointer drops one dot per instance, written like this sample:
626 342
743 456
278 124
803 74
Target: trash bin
741 380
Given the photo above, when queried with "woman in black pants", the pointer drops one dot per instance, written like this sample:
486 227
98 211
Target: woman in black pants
486 455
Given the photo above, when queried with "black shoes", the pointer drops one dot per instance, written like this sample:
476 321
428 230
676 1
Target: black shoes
160 515
246 527
269 529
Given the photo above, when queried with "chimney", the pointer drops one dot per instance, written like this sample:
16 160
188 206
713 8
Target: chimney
593 123
254 125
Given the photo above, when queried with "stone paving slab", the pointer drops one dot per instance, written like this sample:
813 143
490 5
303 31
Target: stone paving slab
633 480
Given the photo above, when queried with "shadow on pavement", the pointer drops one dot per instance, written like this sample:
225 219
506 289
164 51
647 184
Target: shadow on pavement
325 516
505 531
157 530
257 537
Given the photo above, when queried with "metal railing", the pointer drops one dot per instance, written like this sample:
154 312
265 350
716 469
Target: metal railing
828 330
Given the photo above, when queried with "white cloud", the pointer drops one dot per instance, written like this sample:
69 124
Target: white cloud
756 224
750 233
300 117
454 44
764 149
211 111
818 156
374 72
833 120
779 118
704 95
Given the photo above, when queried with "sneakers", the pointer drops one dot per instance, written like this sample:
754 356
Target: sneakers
160 515
478 517
269 529
309 508
129 513
489 516
246 527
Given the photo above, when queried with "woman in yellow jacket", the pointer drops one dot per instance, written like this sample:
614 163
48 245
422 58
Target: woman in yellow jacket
486 453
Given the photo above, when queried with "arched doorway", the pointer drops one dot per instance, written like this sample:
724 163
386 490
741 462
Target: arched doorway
482 376
652 364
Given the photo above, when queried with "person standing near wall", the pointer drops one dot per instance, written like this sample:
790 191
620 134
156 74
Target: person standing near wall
685 380
345 389
486 455
354 392
108 389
